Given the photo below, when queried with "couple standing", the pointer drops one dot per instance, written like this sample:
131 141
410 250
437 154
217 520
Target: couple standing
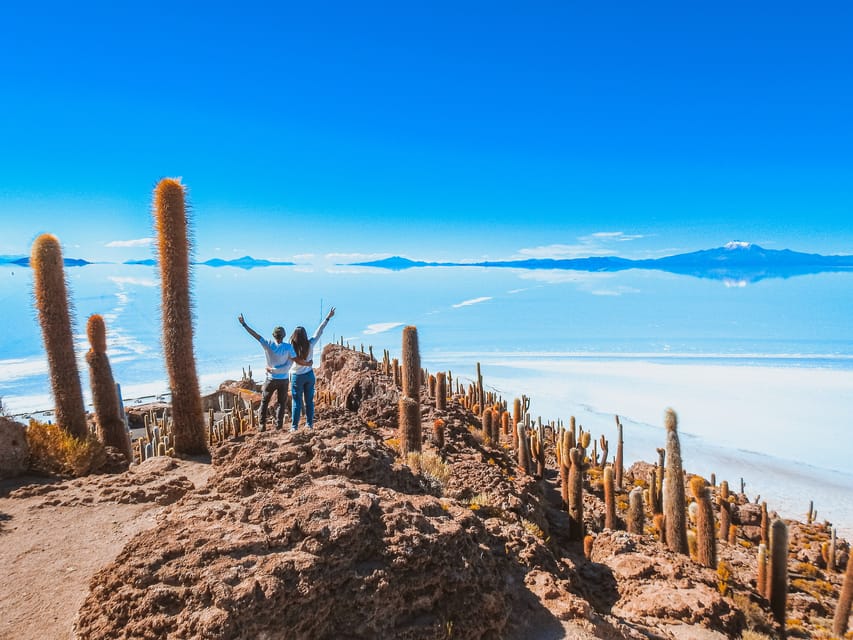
293 359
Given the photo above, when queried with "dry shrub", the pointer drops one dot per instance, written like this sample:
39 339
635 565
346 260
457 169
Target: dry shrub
54 450
754 635
431 466
757 620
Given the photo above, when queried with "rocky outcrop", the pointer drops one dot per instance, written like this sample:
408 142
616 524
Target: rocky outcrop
14 452
328 534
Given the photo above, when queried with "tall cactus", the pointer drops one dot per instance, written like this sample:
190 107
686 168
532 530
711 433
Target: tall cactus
111 429
675 518
725 509
576 528
54 312
411 368
618 461
440 391
706 539
778 583
845 598
609 499
410 409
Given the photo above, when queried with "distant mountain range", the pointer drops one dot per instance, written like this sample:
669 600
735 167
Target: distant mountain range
736 261
24 261
246 262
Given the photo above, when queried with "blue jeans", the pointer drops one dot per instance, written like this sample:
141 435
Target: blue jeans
302 392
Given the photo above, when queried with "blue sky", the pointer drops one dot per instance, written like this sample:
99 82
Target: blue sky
435 130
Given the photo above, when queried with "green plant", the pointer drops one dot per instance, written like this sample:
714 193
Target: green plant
111 429
675 519
173 248
54 313
54 450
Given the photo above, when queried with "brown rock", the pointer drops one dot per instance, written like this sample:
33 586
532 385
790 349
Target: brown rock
14 452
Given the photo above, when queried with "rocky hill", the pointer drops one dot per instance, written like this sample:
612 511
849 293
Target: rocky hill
330 534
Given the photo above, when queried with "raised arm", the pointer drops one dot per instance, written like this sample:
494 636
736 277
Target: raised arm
323 324
251 331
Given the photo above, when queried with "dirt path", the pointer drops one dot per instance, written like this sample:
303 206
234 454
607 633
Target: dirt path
54 536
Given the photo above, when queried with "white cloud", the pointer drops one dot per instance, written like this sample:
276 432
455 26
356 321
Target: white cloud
139 242
468 303
381 327
594 244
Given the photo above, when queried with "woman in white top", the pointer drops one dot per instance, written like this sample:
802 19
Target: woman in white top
302 378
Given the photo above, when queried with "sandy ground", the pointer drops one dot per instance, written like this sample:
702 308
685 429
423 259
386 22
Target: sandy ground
50 547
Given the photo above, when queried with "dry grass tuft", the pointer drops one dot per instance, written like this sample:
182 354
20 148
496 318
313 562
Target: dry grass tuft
430 466
53 450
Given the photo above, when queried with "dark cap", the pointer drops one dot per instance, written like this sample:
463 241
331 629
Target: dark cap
278 332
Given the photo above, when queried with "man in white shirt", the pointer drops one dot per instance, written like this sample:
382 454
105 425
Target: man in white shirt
280 356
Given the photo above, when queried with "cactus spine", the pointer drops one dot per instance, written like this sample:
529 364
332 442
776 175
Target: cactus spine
173 248
609 499
576 495
845 598
778 584
410 411
54 312
673 490
706 538
636 514
108 416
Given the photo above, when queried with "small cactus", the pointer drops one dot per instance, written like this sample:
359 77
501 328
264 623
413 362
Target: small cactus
706 539
673 492
111 428
523 448
636 513
438 433
761 578
588 541
516 420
